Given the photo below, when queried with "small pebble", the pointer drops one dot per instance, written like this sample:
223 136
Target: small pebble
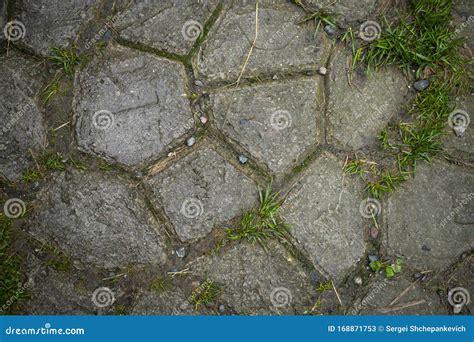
221 308
374 232
275 77
330 30
358 280
139 174
421 85
199 83
203 120
181 252
243 159
373 258
323 70
425 248
190 142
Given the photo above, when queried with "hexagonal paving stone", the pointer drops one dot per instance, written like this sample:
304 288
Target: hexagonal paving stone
275 122
21 127
323 211
381 292
346 11
258 282
170 25
357 114
282 45
430 221
130 105
47 28
98 220
200 191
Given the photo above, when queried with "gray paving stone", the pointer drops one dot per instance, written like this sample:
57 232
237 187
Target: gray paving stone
282 45
381 292
169 302
463 13
172 25
53 293
430 221
97 220
357 114
462 147
52 23
323 211
201 191
258 282
346 11
21 127
130 105
275 122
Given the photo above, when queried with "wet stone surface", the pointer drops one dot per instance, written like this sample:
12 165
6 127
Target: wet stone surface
130 105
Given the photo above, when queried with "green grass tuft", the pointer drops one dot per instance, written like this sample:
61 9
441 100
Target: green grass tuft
52 161
67 59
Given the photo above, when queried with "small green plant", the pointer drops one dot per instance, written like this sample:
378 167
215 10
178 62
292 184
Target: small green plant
390 270
11 290
161 284
105 167
52 161
323 287
67 59
51 89
205 294
263 223
56 258
30 176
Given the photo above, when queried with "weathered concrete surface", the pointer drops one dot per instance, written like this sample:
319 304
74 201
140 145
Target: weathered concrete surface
201 191
430 221
323 211
130 105
97 220
258 282
381 292
282 45
52 23
169 302
173 26
52 292
346 11
357 114
275 122
21 122
462 147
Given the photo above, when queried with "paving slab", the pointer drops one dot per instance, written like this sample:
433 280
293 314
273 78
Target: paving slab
201 191
45 28
381 292
21 127
323 211
275 122
130 105
357 114
258 282
97 220
430 220
172 26
282 44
